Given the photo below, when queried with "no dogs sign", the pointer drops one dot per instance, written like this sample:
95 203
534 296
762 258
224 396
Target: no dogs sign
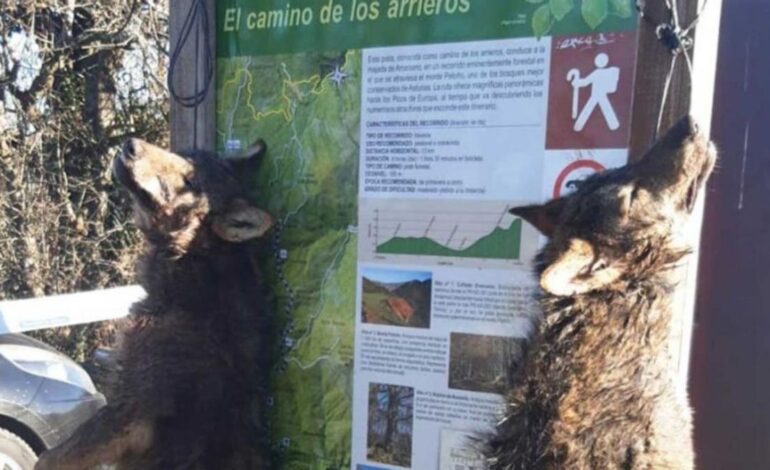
401 132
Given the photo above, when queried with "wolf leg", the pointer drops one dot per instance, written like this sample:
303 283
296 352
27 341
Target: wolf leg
103 440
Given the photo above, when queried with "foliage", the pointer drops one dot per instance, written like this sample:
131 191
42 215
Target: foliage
592 12
76 78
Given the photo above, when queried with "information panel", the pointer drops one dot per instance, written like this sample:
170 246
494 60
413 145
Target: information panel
401 133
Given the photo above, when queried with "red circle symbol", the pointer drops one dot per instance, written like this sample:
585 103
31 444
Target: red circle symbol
576 165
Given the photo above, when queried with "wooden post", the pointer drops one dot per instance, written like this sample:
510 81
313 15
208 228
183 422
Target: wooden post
653 62
700 106
185 127
684 97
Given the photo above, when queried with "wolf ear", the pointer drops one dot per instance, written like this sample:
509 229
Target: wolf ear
242 221
578 270
249 159
543 217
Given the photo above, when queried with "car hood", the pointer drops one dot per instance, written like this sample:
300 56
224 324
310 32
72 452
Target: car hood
23 340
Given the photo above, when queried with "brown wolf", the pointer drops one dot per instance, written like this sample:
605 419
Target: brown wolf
597 388
192 362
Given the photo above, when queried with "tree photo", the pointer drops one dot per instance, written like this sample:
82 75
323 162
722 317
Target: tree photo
389 430
482 363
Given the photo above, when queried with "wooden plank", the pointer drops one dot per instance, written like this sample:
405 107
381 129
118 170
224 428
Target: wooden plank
684 97
701 107
189 131
653 62
654 59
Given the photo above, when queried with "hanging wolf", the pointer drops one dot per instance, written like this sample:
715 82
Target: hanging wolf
193 360
597 389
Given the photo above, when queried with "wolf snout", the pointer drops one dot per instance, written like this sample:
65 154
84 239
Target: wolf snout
687 127
692 125
131 148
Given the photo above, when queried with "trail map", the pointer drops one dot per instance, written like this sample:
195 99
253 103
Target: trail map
400 135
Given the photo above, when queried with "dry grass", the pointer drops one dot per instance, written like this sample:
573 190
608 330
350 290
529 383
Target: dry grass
64 226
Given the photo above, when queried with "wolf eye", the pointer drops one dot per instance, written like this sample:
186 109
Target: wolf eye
574 185
190 184
594 267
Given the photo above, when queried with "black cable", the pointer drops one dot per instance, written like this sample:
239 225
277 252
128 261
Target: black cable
677 40
197 18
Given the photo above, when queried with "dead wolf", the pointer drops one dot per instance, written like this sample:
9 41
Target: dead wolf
193 364
597 388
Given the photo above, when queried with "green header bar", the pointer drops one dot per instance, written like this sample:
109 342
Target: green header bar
263 27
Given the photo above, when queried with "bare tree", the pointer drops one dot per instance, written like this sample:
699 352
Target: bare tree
76 78
389 436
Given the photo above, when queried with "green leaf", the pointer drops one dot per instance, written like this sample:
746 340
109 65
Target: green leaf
621 8
594 12
560 8
541 21
534 2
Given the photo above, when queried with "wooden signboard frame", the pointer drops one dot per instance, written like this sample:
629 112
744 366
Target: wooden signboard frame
653 64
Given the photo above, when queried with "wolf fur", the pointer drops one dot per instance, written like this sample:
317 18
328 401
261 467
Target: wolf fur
597 388
189 391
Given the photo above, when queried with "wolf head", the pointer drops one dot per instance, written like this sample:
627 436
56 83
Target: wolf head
186 203
619 220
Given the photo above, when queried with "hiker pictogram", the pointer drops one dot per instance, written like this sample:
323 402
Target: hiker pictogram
603 82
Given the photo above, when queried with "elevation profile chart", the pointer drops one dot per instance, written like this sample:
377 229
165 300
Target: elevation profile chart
459 232
500 243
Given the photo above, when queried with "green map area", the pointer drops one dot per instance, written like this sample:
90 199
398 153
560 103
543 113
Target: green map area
307 108
502 243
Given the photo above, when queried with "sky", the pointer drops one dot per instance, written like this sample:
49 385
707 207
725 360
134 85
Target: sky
393 276
24 50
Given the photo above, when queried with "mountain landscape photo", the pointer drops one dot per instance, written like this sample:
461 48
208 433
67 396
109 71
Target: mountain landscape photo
396 298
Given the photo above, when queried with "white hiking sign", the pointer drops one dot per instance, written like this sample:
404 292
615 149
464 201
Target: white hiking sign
603 82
